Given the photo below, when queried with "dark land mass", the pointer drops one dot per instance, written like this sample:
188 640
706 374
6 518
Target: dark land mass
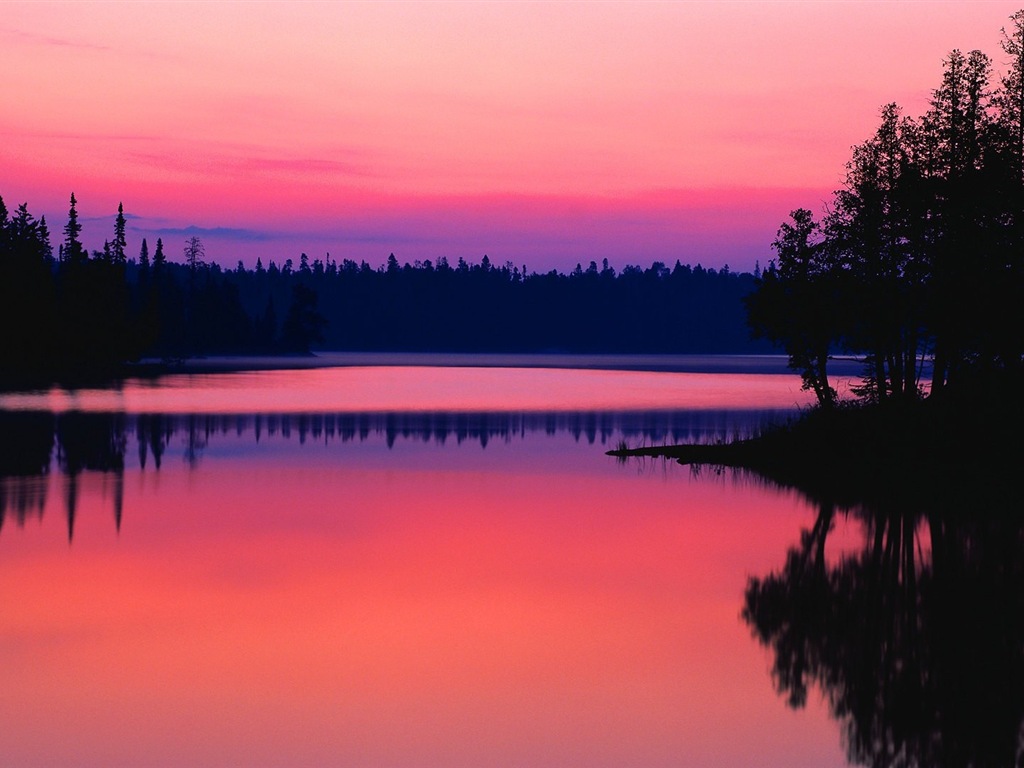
75 315
663 363
916 266
859 453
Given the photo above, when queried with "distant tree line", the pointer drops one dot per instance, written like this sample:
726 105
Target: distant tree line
920 256
74 312
463 307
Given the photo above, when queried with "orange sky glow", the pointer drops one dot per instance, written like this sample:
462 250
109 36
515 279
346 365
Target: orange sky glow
538 133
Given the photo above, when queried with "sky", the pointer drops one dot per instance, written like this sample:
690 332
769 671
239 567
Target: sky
538 133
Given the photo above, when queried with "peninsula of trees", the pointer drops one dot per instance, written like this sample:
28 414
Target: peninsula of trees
916 267
73 312
918 263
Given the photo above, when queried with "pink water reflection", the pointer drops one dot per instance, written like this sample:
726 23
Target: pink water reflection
418 389
533 603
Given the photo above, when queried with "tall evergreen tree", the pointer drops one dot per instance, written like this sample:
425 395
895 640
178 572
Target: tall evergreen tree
195 254
159 260
872 228
119 244
928 232
795 302
44 238
1009 137
958 122
26 294
73 252
4 220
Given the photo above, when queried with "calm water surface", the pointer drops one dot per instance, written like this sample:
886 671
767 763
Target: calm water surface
392 566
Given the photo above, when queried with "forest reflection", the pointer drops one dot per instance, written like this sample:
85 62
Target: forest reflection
916 640
35 444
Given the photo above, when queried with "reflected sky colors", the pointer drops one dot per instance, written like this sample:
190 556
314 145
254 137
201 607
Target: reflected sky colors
419 388
506 607
287 602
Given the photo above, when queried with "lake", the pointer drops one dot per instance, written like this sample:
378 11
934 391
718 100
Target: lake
395 565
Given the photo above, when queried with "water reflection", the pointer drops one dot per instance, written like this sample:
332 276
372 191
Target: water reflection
26 447
31 443
917 638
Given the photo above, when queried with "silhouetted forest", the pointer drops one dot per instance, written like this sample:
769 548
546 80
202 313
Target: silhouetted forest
920 255
79 312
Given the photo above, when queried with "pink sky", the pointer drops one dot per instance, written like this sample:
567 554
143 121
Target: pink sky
537 133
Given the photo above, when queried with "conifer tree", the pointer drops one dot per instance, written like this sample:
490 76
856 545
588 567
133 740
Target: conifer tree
3 221
118 245
1010 97
195 254
159 260
926 240
794 303
73 252
44 239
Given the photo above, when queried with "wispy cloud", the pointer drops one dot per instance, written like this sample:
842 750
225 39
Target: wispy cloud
211 158
234 159
33 39
37 39
238 234
73 137
244 165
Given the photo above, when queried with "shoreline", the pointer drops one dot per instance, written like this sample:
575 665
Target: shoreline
844 370
905 453
690 363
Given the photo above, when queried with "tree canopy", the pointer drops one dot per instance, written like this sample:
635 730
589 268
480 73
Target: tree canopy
918 262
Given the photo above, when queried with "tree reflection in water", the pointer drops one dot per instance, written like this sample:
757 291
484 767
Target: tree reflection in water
77 442
917 639
26 444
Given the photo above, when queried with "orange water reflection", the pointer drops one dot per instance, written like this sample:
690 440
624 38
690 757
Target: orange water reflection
533 603
418 389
